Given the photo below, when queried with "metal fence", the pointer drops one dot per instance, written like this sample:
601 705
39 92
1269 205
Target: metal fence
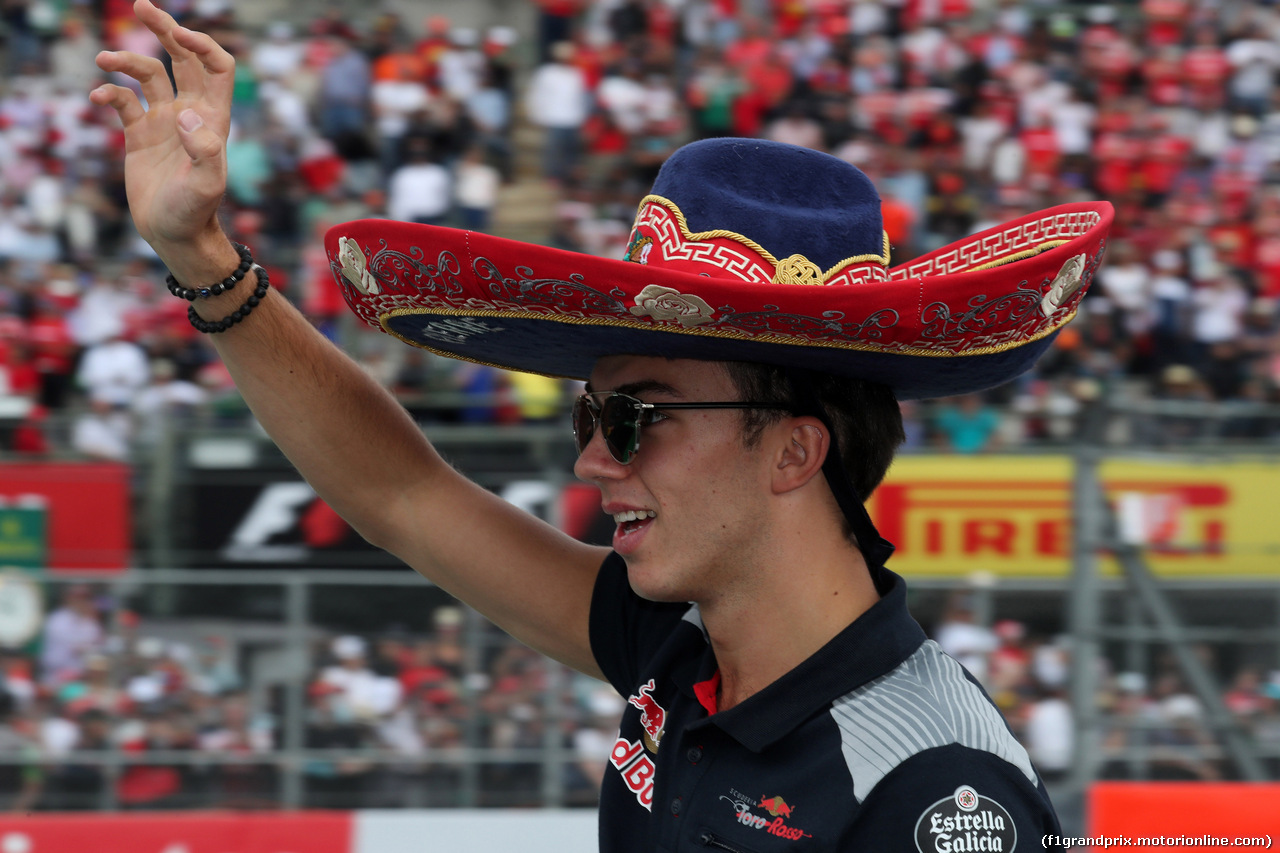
509 728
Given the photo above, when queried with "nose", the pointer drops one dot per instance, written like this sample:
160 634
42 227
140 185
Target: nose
595 463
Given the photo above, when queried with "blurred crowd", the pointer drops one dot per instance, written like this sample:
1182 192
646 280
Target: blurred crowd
405 716
459 714
965 113
1153 726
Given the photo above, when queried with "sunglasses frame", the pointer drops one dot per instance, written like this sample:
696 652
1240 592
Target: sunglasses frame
637 407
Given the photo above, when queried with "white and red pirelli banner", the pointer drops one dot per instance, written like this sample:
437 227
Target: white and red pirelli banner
1011 515
475 831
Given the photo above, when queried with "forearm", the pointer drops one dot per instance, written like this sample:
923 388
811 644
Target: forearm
344 433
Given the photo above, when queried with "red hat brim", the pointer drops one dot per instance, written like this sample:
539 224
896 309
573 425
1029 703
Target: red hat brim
968 316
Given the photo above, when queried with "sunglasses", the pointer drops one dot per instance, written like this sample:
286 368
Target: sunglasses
619 418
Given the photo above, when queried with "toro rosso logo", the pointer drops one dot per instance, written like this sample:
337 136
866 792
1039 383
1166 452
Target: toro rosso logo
778 809
652 716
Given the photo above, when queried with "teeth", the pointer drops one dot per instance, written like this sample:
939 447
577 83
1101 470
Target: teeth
633 515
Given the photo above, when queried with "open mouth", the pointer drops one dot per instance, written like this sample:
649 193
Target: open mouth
632 520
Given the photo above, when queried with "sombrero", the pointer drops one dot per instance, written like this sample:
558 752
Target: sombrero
745 250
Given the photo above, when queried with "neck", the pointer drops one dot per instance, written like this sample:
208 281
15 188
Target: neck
762 633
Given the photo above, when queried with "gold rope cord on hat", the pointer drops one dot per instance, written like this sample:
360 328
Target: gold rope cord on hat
855 346
799 269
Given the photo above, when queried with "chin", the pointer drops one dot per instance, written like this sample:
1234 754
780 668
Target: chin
651 588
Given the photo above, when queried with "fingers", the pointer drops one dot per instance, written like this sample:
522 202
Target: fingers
216 66
147 70
200 65
124 101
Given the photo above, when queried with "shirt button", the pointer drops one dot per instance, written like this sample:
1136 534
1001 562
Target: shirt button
676 805
694 755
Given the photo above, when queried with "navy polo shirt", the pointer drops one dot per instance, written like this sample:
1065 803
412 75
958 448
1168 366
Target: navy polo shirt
879 741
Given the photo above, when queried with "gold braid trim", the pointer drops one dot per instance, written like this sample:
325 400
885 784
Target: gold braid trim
698 332
793 277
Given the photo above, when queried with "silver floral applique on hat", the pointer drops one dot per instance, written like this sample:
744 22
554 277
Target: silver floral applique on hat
355 268
1064 285
667 303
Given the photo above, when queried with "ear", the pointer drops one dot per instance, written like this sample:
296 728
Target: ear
802 450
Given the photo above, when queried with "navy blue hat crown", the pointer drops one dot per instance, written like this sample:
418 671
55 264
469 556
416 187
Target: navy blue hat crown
788 199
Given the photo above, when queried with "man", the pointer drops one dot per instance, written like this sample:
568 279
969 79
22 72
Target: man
778 692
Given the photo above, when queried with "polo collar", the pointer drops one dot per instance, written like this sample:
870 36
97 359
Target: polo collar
873 644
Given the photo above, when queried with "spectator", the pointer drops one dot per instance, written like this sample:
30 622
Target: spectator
420 189
344 91
166 403
557 100
113 371
399 92
1050 735
20 783
960 636
477 185
968 425
71 634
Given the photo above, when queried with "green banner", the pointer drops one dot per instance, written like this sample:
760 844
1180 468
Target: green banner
24 535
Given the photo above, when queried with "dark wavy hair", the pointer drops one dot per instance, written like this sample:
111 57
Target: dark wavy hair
864 416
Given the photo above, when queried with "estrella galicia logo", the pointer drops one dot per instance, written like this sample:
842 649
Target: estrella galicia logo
966 822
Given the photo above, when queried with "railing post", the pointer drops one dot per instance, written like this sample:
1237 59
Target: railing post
553 707
469 790
297 608
1083 605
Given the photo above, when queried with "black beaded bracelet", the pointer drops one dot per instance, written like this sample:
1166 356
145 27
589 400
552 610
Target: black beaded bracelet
191 295
215 326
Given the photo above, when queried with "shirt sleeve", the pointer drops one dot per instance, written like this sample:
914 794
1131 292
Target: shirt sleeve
954 798
625 629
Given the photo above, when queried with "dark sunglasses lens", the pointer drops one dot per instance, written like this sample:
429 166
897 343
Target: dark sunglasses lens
620 425
584 423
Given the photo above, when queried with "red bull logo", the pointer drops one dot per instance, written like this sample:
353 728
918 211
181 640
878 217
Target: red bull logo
652 715
776 806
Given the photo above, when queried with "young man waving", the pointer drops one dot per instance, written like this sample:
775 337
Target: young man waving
743 363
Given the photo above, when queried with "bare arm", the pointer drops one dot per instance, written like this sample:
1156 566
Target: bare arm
347 435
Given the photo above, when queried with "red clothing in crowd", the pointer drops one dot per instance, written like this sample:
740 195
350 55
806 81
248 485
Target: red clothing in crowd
1114 63
1163 76
748 51
52 346
1041 147
1166 21
1205 68
1164 160
1266 263
1234 243
1116 156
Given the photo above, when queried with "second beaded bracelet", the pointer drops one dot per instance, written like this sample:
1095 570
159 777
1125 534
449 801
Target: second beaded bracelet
213 327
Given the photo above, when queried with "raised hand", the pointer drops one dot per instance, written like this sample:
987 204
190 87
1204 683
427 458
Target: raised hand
175 160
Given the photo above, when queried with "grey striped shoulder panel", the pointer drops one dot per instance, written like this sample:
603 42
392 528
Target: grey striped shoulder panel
926 702
694 617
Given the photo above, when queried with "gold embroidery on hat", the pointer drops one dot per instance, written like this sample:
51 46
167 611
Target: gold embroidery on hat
797 269
882 259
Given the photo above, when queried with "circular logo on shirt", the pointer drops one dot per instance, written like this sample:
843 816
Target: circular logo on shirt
964 821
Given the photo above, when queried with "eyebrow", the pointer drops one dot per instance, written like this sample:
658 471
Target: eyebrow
631 389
